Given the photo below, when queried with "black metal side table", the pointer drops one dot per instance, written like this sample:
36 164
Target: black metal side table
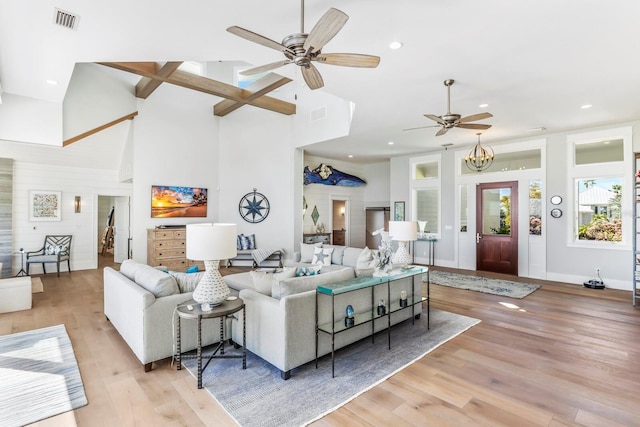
191 310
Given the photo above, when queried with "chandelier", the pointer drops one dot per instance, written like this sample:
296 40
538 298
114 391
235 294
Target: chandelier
479 158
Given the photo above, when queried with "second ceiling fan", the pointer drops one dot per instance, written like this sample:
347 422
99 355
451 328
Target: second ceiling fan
302 49
451 120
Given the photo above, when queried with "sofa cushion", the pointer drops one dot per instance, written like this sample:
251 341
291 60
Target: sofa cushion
159 283
187 282
128 268
306 251
350 258
286 273
262 281
322 256
338 253
297 285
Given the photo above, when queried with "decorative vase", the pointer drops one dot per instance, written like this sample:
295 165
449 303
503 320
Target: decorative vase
212 289
422 225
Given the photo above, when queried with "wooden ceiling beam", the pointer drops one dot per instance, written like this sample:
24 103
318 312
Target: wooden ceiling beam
257 89
205 85
147 85
98 129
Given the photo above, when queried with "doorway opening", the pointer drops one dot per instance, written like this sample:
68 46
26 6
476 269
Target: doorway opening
376 218
339 222
113 229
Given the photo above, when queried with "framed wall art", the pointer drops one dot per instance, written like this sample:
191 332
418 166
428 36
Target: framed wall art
173 201
398 211
44 205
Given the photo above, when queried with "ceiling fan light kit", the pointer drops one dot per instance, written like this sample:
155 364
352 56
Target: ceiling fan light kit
302 49
479 158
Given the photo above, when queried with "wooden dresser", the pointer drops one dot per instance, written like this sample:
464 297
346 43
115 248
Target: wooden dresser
168 246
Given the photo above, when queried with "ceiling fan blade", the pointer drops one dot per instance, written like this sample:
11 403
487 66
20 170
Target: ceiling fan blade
264 68
474 117
473 126
325 29
421 127
257 38
435 118
348 59
312 77
442 131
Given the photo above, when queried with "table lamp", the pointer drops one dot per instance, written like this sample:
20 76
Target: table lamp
211 243
402 232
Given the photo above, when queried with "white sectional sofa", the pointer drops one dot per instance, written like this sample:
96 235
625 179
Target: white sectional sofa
140 302
281 309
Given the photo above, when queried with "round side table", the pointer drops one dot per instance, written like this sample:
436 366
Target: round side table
221 312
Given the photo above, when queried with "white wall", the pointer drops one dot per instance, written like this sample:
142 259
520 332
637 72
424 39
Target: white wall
377 190
30 120
256 151
88 105
175 143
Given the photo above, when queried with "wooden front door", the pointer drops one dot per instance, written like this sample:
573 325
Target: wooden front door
497 227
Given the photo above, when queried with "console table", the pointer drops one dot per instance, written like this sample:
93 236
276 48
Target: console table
369 316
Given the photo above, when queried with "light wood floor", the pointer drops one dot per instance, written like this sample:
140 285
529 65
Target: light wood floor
563 356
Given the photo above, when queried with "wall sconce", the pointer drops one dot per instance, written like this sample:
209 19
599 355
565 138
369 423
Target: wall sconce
342 211
76 204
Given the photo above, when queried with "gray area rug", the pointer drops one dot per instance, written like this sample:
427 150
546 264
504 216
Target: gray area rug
503 288
39 376
258 396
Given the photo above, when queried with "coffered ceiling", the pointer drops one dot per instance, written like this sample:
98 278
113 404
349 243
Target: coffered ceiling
536 63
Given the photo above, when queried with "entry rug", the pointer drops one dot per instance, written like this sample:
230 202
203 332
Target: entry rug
258 396
39 376
36 285
503 288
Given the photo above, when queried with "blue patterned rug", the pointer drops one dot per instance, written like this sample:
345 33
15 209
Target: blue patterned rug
258 397
503 288
39 376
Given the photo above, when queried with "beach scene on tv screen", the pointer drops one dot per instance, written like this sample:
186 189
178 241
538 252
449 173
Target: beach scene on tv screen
171 201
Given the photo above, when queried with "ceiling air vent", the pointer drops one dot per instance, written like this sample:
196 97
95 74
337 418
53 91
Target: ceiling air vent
65 19
319 114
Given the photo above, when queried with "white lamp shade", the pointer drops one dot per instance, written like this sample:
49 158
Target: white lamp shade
206 242
403 231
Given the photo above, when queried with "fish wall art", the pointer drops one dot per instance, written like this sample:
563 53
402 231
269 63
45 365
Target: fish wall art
326 175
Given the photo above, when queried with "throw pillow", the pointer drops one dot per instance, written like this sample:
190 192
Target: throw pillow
239 242
338 253
365 258
187 282
306 251
50 250
322 256
192 269
308 271
262 281
247 242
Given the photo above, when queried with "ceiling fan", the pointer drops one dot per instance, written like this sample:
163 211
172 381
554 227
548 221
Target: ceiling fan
451 120
302 49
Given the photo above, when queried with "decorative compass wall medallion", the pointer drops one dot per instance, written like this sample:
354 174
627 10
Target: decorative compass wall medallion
254 207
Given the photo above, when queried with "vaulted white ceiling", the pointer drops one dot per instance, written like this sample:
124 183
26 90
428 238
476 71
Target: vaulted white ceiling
534 62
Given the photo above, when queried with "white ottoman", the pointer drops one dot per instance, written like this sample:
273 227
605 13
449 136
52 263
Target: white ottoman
15 294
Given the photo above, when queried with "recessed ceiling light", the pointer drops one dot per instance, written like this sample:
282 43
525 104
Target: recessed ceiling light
539 129
395 45
585 106
52 82
390 143
350 156
483 105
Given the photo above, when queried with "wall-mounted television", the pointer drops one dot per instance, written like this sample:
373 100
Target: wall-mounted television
172 202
